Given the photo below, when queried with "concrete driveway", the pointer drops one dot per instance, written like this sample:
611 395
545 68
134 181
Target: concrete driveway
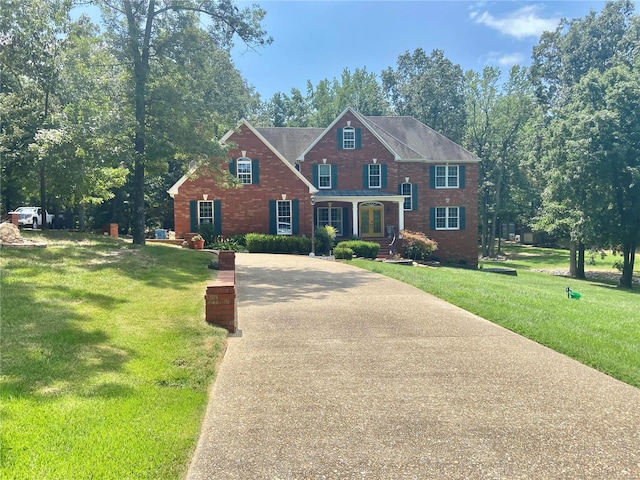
340 373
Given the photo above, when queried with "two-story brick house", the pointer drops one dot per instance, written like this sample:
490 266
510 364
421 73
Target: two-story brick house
369 177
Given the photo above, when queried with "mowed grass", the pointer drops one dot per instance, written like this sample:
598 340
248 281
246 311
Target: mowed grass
601 329
106 359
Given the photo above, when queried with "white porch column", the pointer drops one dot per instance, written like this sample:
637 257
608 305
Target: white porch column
400 216
354 216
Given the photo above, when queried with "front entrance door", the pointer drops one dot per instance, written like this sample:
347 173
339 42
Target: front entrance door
371 220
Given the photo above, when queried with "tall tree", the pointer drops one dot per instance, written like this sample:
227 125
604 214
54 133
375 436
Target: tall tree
429 88
600 121
144 32
497 119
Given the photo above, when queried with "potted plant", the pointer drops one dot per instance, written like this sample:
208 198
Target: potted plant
198 242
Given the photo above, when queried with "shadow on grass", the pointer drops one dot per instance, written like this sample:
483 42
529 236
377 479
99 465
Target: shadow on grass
43 353
45 350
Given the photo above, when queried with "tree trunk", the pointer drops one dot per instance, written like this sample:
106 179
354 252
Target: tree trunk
629 254
580 266
82 218
572 259
43 197
485 227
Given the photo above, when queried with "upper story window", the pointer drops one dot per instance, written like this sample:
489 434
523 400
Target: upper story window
375 176
244 170
447 176
406 189
349 138
324 176
447 218
205 212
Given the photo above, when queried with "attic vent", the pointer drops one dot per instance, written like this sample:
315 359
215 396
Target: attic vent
348 123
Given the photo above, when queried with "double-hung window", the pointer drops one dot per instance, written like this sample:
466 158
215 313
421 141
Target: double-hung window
447 176
283 212
244 171
324 176
406 189
330 216
205 212
349 138
447 218
375 176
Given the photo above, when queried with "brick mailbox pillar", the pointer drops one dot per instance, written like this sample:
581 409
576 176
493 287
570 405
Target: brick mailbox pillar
113 230
226 260
14 218
220 301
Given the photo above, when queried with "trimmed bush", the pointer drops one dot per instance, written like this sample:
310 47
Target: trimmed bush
325 239
360 248
417 245
262 243
343 253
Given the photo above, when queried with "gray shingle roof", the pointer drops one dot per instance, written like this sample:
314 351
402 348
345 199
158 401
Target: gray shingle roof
290 141
413 140
406 136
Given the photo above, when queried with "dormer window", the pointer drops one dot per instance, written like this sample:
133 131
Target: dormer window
349 138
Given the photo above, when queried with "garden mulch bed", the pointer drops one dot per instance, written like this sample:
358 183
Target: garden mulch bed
595 275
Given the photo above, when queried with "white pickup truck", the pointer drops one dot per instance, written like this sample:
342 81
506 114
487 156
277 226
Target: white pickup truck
32 216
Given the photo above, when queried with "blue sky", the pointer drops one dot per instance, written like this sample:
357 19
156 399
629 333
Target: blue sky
314 40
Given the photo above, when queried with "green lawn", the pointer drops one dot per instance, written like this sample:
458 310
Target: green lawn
529 257
602 329
106 359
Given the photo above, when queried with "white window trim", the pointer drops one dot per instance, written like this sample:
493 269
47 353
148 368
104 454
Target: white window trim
448 217
244 161
200 217
324 176
280 219
446 176
352 140
379 175
410 199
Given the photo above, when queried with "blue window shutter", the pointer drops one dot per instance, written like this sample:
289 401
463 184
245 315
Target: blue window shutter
345 221
358 138
340 144
432 176
432 218
462 212
217 217
232 168
365 176
414 196
295 214
193 215
383 174
315 215
399 189
334 177
255 171
315 175
461 183
273 229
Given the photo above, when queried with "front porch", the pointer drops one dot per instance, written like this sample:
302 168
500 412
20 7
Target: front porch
366 214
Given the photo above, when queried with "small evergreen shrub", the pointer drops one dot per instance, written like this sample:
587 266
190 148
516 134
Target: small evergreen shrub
208 232
263 243
325 239
360 248
343 253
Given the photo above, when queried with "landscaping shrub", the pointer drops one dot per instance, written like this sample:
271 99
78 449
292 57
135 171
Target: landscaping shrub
263 243
208 232
343 253
416 245
325 239
360 248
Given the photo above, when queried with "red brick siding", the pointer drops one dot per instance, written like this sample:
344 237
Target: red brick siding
246 209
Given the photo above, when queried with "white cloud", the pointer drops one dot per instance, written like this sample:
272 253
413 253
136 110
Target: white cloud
523 23
504 59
